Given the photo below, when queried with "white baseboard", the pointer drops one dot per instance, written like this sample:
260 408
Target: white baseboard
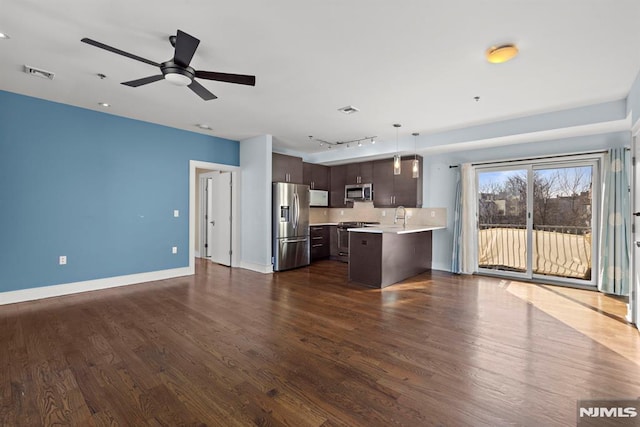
260 268
197 254
31 294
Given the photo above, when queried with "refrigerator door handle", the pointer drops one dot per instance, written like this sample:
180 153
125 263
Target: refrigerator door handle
304 239
296 201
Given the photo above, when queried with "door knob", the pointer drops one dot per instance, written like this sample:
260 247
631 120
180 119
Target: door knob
212 222
636 214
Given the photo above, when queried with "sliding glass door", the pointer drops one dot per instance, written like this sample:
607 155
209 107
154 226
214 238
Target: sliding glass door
536 220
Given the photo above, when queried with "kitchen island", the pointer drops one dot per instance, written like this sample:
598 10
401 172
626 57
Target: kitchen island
383 255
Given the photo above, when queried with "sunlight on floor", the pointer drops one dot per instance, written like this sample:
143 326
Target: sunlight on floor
593 314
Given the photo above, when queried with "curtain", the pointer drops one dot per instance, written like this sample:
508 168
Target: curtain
614 244
468 235
457 229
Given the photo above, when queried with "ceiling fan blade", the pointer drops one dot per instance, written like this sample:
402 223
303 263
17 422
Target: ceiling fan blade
119 52
201 91
240 79
143 81
186 46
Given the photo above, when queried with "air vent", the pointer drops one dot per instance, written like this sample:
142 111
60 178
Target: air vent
349 109
38 73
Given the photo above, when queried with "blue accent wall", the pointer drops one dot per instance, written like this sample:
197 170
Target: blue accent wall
98 188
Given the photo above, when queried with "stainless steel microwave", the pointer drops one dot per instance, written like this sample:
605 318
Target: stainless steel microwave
358 192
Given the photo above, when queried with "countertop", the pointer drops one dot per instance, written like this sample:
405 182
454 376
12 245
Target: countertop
397 229
318 224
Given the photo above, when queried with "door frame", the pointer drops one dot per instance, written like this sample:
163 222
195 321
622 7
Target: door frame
634 282
194 215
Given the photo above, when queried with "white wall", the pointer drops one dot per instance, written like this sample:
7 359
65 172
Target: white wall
633 100
255 162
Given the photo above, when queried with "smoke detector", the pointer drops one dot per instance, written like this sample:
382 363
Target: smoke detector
38 72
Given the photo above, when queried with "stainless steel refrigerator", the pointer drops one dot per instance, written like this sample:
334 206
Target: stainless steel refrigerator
291 240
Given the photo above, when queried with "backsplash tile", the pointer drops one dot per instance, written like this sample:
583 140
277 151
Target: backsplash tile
364 211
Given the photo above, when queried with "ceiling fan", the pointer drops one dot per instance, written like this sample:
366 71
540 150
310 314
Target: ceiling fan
177 69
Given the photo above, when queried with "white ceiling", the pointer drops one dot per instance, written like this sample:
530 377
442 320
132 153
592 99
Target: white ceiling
415 62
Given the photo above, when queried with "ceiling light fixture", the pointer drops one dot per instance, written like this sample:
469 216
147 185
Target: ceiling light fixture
347 143
500 54
104 104
4 36
204 126
397 161
415 164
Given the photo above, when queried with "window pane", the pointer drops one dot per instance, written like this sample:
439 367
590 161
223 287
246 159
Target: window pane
502 214
562 217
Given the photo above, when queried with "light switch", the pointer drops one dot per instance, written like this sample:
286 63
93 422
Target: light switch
62 260
174 250
176 213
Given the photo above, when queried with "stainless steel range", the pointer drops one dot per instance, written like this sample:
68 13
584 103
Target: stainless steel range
343 237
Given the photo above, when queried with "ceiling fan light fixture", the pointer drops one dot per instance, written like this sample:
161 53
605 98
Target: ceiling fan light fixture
4 36
177 79
500 54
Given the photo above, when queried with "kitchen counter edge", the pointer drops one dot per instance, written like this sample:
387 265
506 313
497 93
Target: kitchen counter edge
396 229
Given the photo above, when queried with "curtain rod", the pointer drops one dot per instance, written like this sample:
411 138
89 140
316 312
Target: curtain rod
536 158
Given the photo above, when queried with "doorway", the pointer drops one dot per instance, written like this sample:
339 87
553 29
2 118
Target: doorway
536 220
197 168
215 217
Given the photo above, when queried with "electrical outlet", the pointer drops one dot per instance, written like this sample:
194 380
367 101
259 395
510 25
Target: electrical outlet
433 214
176 213
174 250
384 213
62 260
341 212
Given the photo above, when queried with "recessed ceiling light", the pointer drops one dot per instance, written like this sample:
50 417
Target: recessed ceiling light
104 104
203 126
500 54
4 36
349 109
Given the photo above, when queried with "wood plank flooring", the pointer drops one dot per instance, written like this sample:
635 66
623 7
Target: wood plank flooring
230 347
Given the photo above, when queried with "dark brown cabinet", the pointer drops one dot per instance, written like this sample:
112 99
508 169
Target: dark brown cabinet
320 242
338 179
359 173
315 176
286 168
391 190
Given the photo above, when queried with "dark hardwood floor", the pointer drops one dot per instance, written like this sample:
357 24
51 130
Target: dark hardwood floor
305 348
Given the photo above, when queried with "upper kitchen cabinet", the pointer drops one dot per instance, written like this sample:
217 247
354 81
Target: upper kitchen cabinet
360 173
315 176
286 168
391 190
338 179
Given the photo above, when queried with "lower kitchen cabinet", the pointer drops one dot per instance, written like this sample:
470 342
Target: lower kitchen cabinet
320 242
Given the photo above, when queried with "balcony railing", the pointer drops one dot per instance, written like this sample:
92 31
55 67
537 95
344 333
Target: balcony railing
563 251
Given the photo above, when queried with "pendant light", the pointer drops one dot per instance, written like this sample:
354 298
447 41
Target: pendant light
415 164
397 162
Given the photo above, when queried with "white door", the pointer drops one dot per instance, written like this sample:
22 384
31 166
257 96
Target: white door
634 286
219 218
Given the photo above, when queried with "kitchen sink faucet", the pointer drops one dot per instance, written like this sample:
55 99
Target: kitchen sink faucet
403 217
